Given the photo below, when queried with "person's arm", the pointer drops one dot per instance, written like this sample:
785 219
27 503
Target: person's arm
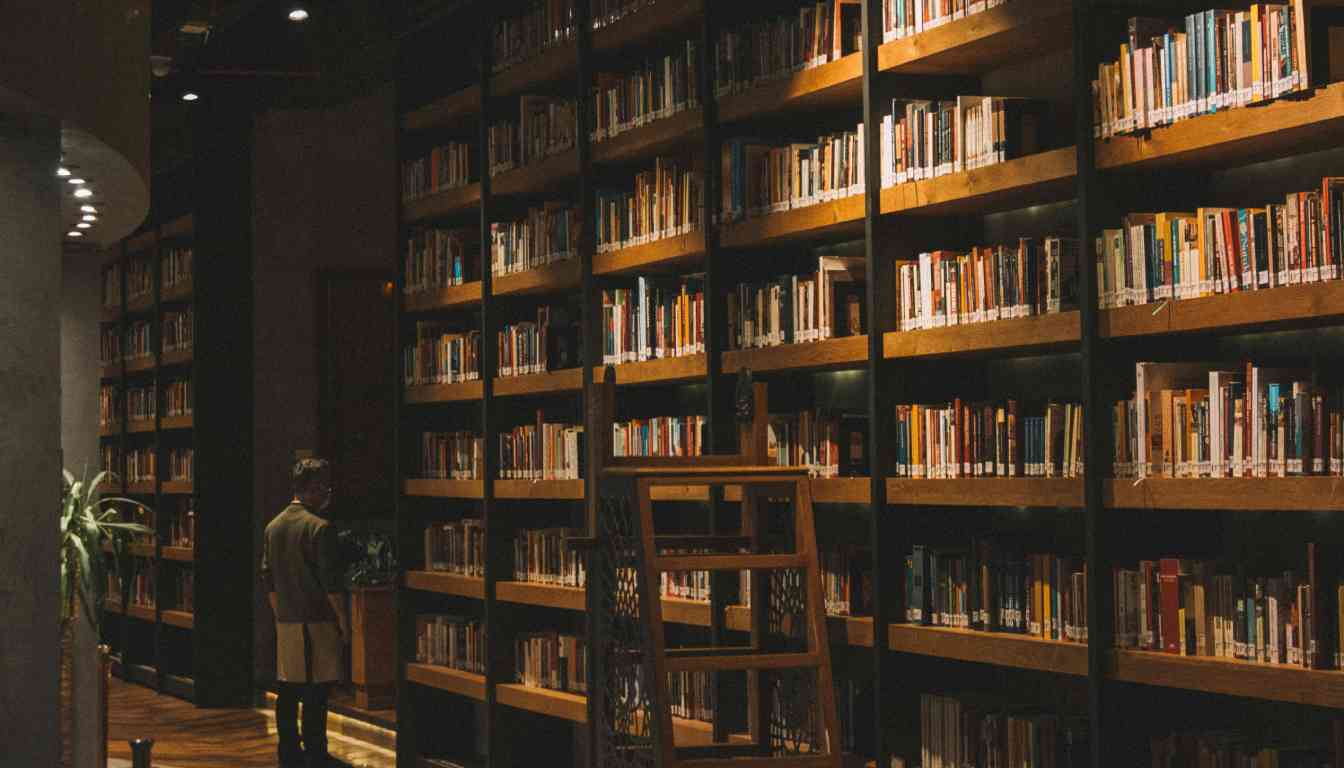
328 568
268 578
337 601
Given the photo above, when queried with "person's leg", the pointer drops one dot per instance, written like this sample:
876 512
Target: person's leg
287 724
315 724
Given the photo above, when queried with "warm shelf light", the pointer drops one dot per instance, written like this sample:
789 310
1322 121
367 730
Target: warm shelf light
88 209
298 14
74 233
89 217
62 172
83 192
83 225
78 182
190 96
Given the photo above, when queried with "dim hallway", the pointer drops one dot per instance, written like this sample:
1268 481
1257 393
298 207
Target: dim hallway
187 737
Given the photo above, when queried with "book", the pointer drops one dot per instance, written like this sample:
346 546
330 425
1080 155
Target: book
906 18
456 547
438 258
653 318
924 139
661 202
455 455
447 166
660 87
542 450
759 178
551 660
544 556
448 640
439 356
984 439
658 436
791 309
546 235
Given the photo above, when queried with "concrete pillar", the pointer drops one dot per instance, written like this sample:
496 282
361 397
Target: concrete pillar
30 463
81 307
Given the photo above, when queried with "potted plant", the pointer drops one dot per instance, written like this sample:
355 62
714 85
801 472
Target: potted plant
371 579
88 520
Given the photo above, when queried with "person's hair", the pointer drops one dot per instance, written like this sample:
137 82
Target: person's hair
308 473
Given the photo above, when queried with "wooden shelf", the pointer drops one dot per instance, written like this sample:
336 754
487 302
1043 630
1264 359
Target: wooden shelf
544 595
1040 178
449 202
110 430
180 619
998 648
650 139
1023 333
177 422
981 41
179 487
851 630
142 242
848 352
1301 494
1230 677
837 217
176 357
646 24
664 371
455 107
141 488
1289 304
566 706
140 612
446 583
181 292
567 490
444 679
551 382
444 489
1228 137
462 391
452 297
830 490
140 426
833 85
987 492
139 365
536 178
552 278
667 253
140 304
178 554
137 549
181 227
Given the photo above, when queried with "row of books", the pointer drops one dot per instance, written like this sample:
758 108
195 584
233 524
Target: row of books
1232 748
659 88
111 454
973 730
1171 70
542 451
139 343
1186 607
438 258
1182 255
762 178
542 24
175 266
906 18
178 330
142 593
111 277
790 309
1199 419
109 405
551 660
959 439
924 139
456 642
139 278
1031 277
684 585
657 318
769 49
829 444
447 166
458 455
522 346
182 524
661 202
690 695
846 582
993 587
546 126
141 403
658 436
545 556
182 464
109 346
441 357
457 547
177 398
186 590
141 465
546 235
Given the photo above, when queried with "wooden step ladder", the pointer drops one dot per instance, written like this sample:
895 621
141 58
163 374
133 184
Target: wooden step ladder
790 698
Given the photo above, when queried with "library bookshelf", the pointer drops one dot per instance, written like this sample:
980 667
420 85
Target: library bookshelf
1078 350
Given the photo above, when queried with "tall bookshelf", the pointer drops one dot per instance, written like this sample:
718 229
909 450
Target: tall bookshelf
1075 186
155 639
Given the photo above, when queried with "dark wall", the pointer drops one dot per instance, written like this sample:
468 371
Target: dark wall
324 199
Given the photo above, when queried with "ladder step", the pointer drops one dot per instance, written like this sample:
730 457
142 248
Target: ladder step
783 761
708 751
710 650
701 541
718 663
729 562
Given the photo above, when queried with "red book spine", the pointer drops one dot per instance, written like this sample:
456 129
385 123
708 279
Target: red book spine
1170 586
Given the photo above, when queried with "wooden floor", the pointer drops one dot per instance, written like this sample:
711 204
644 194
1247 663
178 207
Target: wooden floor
186 737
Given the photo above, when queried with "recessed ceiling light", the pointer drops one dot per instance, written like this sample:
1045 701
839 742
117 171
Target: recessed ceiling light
83 192
88 209
83 225
62 172
89 217
74 233
77 181
190 96
298 14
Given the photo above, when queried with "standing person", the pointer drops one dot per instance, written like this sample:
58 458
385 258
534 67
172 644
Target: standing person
300 573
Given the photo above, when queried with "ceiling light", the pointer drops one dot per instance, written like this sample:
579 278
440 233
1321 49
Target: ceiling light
89 217
83 225
88 209
74 233
83 192
299 13
77 181
190 96
62 172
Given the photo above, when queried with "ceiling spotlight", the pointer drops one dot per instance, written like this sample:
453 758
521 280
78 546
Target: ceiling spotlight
88 209
62 172
89 217
299 13
83 192
83 225
78 182
74 233
190 96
